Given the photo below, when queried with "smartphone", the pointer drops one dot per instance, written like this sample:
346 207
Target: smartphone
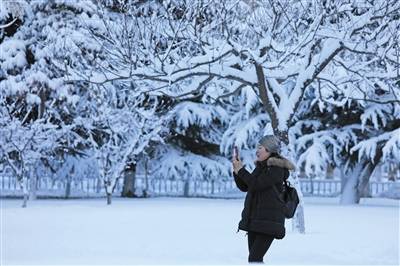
236 153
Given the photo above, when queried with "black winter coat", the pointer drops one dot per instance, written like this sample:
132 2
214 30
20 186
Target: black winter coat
263 212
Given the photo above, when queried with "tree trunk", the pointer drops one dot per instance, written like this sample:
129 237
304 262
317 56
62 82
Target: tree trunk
69 181
342 179
363 187
98 185
109 190
298 221
329 172
392 173
146 190
378 173
24 186
349 186
186 189
108 198
42 105
128 189
357 183
33 185
68 188
24 204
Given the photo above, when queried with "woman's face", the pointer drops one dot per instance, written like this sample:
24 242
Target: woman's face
262 153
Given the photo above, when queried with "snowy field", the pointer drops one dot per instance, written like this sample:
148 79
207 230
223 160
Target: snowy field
191 231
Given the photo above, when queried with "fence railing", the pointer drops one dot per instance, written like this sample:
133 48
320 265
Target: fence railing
165 187
320 187
334 187
93 187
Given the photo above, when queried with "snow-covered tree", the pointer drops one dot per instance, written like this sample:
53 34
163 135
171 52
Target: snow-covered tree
354 136
111 121
193 126
22 146
34 95
195 131
354 121
280 48
215 74
122 130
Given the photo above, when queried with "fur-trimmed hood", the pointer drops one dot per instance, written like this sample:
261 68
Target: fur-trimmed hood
280 162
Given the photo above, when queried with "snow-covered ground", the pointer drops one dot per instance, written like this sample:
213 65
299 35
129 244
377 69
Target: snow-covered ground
191 231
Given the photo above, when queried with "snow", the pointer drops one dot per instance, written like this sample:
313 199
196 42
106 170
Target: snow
390 148
11 86
32 99
12 54
8 24
315 159
177 163
306 73
191 113
86 6
373 113
252 100
191 231
242 132
16 9
320 147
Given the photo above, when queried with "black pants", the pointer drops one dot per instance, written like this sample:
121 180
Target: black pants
258 245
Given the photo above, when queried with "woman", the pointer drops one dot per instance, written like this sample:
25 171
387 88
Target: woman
262 216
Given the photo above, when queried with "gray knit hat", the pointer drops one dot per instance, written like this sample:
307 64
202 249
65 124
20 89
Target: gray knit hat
270 143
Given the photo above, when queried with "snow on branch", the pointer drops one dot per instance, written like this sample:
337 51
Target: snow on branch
389 142
8 24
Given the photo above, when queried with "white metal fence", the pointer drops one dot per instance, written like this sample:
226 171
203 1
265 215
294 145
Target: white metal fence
333 187
50 187
95 187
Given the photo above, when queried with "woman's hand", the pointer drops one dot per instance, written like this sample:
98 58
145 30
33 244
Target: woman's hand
237 164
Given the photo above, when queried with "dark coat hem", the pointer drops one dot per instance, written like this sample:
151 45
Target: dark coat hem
275 229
